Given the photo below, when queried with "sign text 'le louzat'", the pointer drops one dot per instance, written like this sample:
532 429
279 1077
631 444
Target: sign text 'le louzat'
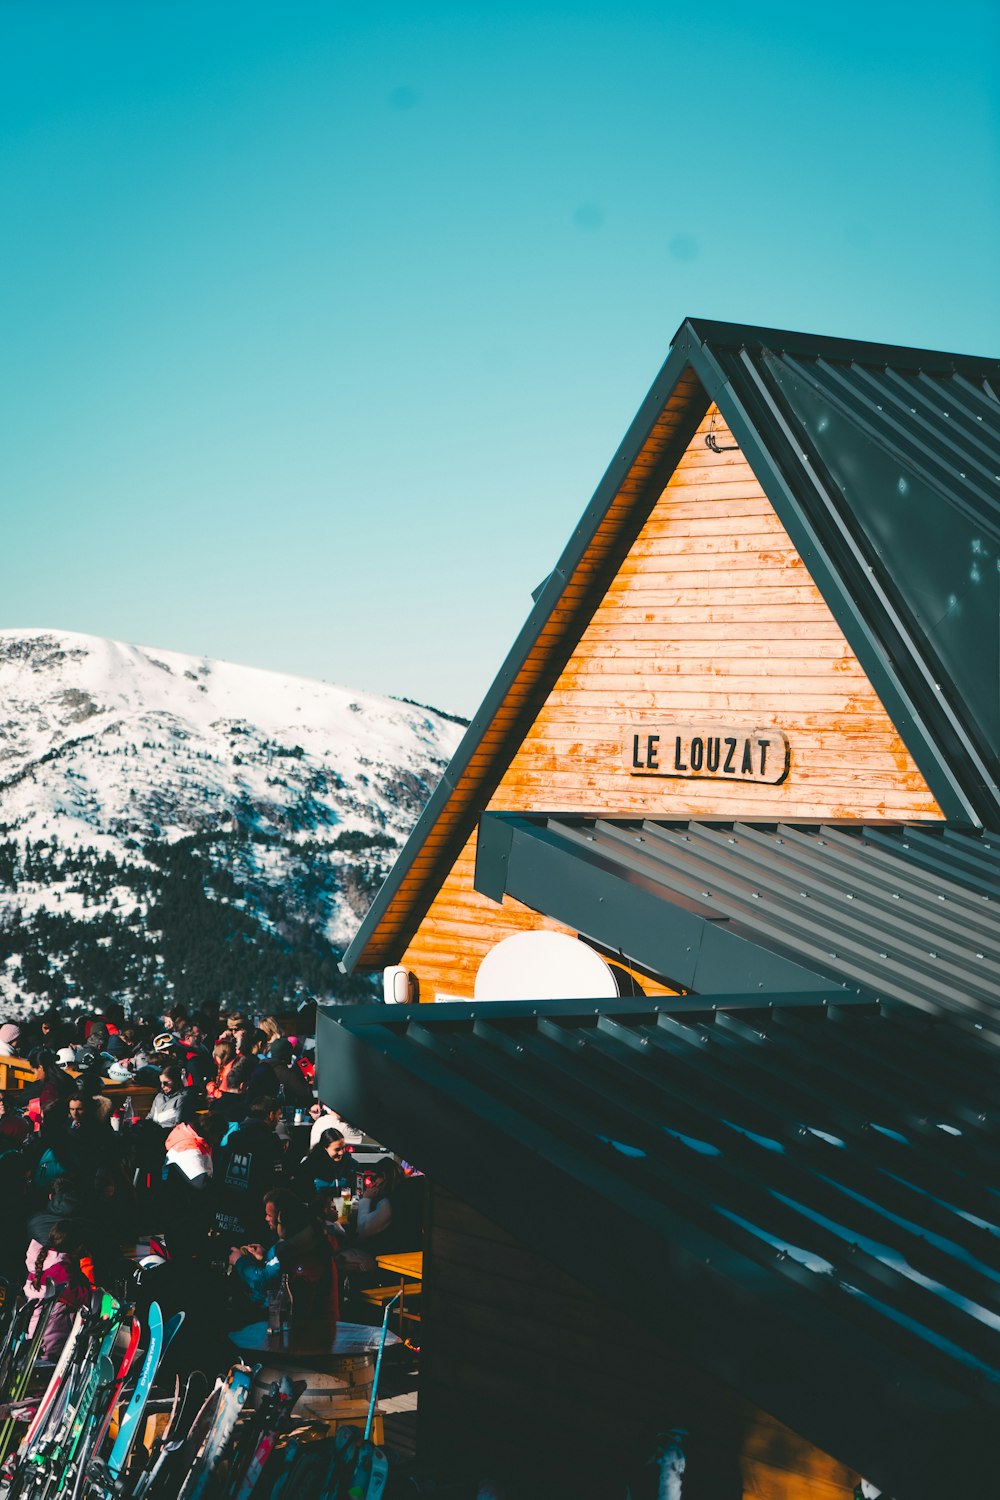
707 750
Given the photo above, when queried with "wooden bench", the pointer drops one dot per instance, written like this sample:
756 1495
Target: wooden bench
15 1073
409 1267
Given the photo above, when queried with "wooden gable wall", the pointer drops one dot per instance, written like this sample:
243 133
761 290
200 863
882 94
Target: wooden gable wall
713 619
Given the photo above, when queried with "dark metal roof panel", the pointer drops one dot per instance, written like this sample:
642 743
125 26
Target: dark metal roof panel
884 466
908 913
811 1183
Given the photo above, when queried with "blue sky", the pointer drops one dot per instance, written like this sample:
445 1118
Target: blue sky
320 322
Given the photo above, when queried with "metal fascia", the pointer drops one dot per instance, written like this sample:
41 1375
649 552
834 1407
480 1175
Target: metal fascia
736 336
599 898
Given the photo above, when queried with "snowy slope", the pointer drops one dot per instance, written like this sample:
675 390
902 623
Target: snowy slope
108 746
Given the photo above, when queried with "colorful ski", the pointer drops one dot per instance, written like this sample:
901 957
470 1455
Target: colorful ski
182 1417
14 1338
357 1488
113 1397
176 1457
45 1463
233 1397
128 1431
54 1386
346 1442
25 1359
273 1421
379 1475
171 1328
88 1413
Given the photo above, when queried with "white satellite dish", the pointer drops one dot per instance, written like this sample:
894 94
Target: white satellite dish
544 966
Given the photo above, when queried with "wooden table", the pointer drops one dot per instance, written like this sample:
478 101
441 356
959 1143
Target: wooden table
339 1371
408 1265
311 1341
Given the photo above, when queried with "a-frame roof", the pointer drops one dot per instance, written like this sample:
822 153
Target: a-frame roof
883 465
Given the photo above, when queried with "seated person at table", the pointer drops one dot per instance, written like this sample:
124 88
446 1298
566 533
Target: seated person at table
325 1118
389 1216
174 1104
374 1229
82 1143
14 1128
301 1253
51 1086
232 1102
326 1166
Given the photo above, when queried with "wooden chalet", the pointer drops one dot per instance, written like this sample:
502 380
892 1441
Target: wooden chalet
746 753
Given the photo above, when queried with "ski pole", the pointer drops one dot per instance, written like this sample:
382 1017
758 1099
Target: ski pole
378 1365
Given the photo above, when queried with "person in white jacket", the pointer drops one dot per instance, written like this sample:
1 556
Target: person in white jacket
325 1118
173 1105
374 1228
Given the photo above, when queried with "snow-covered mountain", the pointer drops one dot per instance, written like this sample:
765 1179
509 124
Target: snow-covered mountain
131 776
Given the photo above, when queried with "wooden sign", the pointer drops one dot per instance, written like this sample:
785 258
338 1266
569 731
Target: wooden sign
707 750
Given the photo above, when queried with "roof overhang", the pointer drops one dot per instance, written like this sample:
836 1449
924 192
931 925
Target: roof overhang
807 1182
897 912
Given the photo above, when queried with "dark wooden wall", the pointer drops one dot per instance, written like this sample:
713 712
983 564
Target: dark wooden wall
527 1378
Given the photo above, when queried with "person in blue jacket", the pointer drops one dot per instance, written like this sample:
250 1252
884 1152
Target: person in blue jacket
300 1251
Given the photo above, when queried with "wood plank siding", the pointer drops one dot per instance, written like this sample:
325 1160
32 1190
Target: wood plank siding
533 665
527 1376
710 617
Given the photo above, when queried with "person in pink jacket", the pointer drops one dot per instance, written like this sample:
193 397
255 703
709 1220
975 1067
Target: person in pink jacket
57 1262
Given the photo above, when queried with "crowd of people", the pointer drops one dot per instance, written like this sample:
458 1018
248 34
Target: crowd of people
237 1176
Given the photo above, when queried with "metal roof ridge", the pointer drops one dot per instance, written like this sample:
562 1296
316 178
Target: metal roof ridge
707 331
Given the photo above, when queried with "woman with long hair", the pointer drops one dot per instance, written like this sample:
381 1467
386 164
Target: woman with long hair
327 1165
233 1101
223 1055
51 1085
57 1261
271 1029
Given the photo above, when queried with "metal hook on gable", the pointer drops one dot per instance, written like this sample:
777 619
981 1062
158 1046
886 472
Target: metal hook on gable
711 441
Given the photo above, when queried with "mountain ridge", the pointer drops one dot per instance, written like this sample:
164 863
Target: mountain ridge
274 802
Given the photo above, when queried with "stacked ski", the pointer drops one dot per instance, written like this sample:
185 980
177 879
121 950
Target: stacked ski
54 1448
215 1444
